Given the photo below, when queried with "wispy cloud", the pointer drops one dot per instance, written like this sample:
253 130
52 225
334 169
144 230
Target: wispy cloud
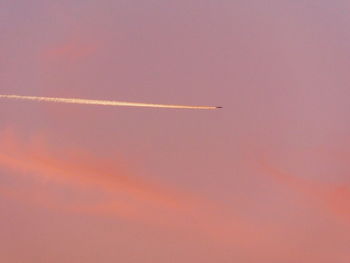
123 194
79 168
71 50
334 197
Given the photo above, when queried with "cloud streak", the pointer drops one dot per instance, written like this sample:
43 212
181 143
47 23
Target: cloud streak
79 168
105 102
122 194
334 197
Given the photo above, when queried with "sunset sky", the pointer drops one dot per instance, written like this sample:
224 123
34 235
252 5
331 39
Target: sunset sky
265 179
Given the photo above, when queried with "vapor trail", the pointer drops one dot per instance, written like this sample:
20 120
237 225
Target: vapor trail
106 102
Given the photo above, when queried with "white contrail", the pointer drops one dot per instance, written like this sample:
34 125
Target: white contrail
105 102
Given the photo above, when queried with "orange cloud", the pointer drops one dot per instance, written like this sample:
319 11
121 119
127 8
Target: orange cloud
122 194
335 197
43 196
70 51
79 168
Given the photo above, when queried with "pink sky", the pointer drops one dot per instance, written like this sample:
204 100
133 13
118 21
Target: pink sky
266 179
